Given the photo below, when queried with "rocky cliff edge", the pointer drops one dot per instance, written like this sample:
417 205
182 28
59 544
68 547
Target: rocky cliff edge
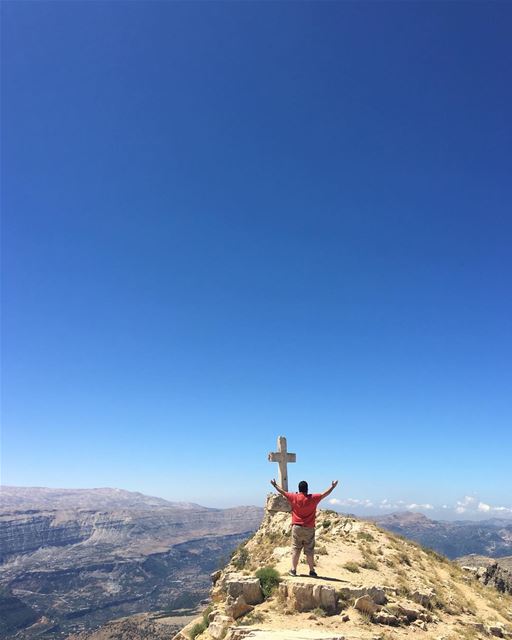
371 585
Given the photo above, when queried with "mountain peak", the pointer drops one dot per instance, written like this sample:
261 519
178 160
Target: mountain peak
371 585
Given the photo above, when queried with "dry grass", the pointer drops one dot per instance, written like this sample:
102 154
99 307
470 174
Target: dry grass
353 567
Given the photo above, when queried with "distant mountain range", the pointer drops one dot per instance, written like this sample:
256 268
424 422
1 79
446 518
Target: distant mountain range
71 559
23 498
491 537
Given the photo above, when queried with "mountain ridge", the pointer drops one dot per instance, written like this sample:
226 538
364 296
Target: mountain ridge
371 585
24 498
491 537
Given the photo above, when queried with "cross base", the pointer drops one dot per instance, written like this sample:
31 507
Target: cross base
277 503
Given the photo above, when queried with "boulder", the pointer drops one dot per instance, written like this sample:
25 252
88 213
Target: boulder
366 605
326 597
377 594
247 587
425 598
219 626
420 624
237 607
403 609
496 630
382 617
216 575
305 596
276 503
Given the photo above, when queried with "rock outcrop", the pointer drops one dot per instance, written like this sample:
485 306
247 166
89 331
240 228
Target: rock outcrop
493 572
370 585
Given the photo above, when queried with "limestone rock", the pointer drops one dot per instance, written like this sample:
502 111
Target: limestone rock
326 597
276 503
420 624
216 575
366 605
377 594
496 630
425 598
305 596
247 587
280 552
386 618
237 607
219 626
407 611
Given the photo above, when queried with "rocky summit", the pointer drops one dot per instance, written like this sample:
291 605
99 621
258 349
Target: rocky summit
371 585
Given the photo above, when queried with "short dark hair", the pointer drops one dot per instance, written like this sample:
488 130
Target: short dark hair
303 486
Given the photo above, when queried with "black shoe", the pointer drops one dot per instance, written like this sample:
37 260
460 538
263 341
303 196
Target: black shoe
313 574
292 572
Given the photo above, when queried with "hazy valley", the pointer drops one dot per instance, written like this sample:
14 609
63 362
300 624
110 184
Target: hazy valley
72 559
491 537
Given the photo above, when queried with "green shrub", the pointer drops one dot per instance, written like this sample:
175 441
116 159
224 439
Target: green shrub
255 617
363 535
404 558
269 579
240 557
206 613
326 524
353 567
369 563
433 554
197 630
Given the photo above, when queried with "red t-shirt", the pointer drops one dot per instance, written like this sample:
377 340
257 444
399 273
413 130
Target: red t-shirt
303 507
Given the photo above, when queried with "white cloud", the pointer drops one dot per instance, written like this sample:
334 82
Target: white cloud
426 506
472 505
502 509
468 505
352 502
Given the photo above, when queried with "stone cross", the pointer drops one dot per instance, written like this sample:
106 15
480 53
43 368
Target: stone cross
282 457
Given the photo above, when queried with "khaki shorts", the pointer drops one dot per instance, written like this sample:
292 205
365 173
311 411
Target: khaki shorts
303 538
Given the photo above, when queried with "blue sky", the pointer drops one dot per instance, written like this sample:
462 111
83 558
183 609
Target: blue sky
224 221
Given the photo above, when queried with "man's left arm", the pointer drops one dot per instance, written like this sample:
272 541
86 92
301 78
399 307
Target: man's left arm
333 486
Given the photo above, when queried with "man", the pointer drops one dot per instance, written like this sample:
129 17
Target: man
303 522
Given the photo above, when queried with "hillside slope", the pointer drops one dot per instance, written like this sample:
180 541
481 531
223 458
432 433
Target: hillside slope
372 585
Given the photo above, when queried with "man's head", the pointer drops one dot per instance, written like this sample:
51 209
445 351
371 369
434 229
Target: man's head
303 486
